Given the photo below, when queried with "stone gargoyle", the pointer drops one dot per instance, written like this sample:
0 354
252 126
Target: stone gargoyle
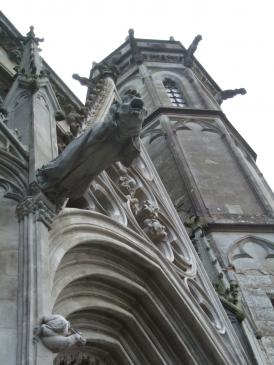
56 334
115 139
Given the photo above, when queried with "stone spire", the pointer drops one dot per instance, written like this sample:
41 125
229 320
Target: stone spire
30 70
31 104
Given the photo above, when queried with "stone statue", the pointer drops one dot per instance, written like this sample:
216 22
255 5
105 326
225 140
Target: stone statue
227 94
191 50
56 334
115 139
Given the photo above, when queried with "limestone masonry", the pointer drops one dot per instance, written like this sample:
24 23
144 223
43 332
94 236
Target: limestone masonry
135 229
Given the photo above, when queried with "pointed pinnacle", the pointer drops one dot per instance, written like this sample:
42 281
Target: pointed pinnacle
31 36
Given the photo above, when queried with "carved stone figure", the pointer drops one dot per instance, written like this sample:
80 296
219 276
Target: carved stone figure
191 50
127 185
227 94
134 205
155 230
84 80
56 334
147 210
74 119
116 139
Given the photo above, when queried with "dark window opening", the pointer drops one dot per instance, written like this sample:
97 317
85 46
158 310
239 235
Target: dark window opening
174 93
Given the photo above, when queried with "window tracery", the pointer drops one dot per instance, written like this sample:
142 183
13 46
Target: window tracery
174 93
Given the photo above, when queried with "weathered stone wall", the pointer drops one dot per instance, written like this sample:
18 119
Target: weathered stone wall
9 247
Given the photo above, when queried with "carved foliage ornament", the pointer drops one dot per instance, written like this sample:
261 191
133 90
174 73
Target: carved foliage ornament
35 206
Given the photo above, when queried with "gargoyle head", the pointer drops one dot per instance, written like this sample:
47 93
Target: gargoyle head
130 114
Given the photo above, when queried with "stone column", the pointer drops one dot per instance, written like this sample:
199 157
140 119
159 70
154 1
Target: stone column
35 214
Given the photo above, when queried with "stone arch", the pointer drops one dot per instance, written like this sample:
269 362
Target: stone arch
174 92
182 83
187 83
116 288
252 253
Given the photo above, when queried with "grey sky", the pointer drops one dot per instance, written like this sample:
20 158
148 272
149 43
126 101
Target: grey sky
236 50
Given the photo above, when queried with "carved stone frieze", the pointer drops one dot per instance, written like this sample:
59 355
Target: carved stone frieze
161 57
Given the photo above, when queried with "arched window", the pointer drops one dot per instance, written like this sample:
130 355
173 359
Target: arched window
174 93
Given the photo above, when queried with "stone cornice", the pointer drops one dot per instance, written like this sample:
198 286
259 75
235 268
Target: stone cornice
241 227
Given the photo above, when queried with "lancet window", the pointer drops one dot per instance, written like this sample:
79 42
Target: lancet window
174 93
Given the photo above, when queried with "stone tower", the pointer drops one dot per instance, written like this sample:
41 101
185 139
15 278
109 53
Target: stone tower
210 173
118 264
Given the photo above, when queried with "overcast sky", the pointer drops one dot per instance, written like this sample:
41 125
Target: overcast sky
237 47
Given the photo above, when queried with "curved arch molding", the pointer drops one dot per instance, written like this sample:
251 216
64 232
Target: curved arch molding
120 291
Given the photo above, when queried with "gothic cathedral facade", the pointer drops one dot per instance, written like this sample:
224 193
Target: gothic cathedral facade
167 258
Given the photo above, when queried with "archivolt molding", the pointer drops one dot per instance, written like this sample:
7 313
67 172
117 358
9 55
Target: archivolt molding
117 320
104 273
74 226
